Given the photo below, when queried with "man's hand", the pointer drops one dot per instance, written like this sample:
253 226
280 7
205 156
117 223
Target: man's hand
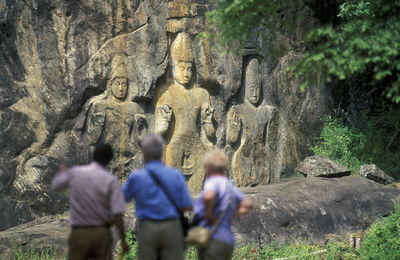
125 247
210 220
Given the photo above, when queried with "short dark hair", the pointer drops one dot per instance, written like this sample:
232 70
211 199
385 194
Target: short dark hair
102 154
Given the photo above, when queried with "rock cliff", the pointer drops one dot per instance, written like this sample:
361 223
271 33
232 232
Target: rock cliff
59 65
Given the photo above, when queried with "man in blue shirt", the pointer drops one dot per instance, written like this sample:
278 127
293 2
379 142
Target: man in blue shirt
159 230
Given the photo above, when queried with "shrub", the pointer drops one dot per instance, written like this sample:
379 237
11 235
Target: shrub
340 143
383 239
376 142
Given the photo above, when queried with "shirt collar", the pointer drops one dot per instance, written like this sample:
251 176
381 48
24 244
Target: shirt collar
158 162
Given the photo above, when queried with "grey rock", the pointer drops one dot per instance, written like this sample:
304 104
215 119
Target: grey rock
321 167
314 209
372 172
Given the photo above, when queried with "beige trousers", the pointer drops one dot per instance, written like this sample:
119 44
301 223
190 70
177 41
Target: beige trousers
216 250
90 243
160 240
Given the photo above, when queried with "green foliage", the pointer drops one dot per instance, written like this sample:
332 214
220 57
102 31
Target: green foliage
131 240
367 41
362 37
341 143
377 142
383 239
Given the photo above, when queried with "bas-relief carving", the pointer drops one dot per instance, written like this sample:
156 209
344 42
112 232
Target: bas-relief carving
247 130
184 115
113 119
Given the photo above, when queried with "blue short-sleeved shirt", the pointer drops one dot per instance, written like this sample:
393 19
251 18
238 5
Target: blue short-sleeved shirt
151 202
226 192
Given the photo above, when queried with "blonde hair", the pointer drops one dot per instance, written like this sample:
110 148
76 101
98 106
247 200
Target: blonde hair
216 160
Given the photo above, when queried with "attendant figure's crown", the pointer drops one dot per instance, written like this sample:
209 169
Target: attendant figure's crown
181 48
118 68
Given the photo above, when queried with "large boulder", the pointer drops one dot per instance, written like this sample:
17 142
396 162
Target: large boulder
314 209
318 166
309 209
372 172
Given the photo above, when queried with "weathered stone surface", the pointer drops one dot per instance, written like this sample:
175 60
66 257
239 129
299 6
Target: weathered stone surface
299 209
56 68
113 119
247 131
372 172
317 166
44 234
187 121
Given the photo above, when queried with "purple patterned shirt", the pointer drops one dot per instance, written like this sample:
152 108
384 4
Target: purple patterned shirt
94 194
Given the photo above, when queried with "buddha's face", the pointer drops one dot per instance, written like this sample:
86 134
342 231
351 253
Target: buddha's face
252 82
119 87
182 72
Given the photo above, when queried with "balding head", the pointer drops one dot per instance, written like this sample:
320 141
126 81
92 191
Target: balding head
215 162
152 147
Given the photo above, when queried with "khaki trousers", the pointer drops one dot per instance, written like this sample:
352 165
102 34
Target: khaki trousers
160 240
90 243
216 250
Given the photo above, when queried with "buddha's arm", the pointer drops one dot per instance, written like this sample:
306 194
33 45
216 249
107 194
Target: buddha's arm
95 123
233 129
163 118
206 120
141 126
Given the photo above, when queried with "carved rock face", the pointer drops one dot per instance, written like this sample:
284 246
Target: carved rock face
58 57
119 88
182 73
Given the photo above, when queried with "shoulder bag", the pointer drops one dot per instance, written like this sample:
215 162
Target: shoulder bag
200 236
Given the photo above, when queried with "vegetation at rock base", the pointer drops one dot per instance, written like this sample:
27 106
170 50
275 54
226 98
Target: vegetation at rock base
348 38
352 147
382 241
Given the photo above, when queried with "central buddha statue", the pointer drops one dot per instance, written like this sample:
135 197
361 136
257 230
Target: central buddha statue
184 115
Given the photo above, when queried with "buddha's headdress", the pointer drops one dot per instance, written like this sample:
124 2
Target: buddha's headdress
118 68
181 48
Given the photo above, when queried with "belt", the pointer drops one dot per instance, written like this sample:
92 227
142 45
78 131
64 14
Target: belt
97 226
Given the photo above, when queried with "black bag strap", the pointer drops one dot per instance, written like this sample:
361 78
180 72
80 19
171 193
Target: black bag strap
167 194
223 212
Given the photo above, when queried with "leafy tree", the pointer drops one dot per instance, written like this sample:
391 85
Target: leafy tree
355 37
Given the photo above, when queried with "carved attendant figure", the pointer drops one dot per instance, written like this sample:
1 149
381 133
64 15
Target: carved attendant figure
184 116
247 130
116 121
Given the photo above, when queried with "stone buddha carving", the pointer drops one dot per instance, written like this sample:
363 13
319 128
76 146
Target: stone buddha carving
247 130
115 120
184 115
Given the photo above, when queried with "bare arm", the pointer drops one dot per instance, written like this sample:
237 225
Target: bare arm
245 206
119 223
209 201
61 180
